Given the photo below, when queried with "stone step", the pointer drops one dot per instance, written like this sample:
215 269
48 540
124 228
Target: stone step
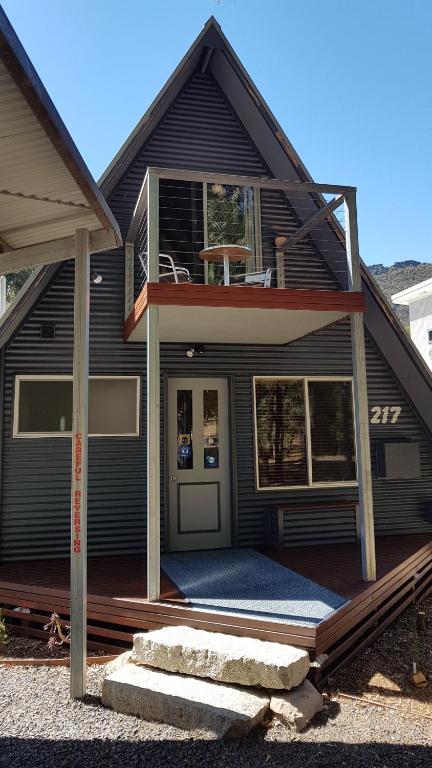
225 658
219 710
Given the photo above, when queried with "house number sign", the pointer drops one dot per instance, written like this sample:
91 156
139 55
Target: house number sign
385 414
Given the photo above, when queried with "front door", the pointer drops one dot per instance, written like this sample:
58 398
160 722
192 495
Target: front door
198 464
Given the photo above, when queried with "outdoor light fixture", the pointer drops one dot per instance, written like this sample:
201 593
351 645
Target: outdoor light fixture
198 349
96 277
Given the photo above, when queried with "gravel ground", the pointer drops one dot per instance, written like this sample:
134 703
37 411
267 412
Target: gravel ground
382 671
39 726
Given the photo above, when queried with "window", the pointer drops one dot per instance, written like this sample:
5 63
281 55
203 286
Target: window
304 432
231 220
43 406
184 429
211 428
430 337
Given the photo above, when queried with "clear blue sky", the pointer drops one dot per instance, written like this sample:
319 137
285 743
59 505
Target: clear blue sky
350 82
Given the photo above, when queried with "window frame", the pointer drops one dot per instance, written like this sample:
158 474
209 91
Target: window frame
308 437
255 262
67 377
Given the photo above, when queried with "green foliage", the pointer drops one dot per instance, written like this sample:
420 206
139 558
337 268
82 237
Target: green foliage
4 634
230 221
14 283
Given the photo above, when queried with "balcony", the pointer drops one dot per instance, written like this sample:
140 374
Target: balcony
239 259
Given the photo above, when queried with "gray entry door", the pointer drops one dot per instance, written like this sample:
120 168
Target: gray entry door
198 464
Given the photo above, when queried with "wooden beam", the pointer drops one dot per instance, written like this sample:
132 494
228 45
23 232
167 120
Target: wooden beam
319 216
261 181
4 245
205 61
78 581
361 410
37 198
78 219
52 251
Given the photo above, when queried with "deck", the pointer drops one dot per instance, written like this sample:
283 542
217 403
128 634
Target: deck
117 604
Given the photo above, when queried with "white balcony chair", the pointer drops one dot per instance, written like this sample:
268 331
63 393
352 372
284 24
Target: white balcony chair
261 279
168 269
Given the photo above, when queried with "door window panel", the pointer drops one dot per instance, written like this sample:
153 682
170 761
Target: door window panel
184 429
211 428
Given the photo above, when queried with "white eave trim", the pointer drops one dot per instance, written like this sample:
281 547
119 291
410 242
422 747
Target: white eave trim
414 293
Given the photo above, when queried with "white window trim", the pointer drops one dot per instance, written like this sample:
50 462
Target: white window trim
49 377
311 485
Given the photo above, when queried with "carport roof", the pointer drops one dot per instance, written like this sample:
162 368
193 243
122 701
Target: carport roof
46 189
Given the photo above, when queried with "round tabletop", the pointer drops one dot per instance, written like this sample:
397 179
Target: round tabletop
218 253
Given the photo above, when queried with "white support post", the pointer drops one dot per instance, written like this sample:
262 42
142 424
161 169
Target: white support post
153 399
78 582
361 411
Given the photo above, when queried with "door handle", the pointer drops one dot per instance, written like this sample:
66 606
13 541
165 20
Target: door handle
173 478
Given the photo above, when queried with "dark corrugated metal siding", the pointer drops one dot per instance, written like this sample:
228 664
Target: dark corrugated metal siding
304 266
199 132
400 506
324 353
35 498
36 473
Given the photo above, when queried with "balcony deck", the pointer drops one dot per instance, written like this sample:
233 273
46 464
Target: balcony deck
117 604
191 312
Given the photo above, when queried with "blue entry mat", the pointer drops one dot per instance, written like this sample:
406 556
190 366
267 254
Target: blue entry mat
245 581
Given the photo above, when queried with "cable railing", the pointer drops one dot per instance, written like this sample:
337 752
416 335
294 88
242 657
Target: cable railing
221 230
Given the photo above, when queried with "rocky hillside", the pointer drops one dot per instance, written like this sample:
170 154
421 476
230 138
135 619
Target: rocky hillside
399 276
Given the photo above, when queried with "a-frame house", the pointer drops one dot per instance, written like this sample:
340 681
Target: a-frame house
250 391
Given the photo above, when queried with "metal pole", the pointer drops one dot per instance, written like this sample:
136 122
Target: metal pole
78 581
153 454
361 410
153 399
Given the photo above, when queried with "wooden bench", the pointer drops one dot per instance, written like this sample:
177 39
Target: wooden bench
275 528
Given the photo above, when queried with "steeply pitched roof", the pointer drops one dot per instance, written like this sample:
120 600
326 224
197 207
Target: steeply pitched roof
212 50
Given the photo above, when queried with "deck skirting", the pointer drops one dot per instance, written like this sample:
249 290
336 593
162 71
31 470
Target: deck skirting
112 621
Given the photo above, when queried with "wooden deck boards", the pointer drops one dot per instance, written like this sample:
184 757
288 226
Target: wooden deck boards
117 604
338 566
114 576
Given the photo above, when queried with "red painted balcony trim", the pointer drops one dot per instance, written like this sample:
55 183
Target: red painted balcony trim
194 295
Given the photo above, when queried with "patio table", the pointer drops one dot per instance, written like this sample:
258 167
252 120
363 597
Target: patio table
226 255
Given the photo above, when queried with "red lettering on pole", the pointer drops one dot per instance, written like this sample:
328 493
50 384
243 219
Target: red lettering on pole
77 475
78 456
